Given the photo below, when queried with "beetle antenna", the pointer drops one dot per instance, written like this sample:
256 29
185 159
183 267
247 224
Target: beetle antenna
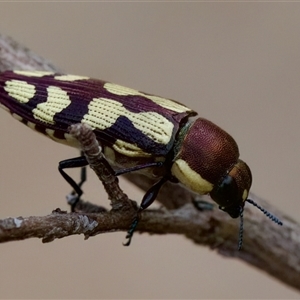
269 215
241 229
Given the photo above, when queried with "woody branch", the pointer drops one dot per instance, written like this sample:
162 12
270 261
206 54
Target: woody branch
274 250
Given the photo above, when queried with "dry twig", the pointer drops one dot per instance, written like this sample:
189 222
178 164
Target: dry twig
266 246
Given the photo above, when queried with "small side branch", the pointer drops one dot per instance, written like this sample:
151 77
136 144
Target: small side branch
93 152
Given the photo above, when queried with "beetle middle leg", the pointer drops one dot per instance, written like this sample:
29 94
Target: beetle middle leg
82 162
148 199
74 163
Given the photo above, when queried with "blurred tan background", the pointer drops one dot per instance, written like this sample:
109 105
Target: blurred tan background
237 64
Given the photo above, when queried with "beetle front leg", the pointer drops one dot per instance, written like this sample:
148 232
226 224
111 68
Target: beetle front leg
139 167
148 199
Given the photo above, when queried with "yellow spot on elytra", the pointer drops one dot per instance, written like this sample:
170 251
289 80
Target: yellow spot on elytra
31 125
17 117
120 90
71 141
70 77
191 179
57 100
50 134
20 90
166 103
103 113
33 73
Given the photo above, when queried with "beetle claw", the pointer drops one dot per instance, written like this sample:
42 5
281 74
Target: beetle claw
72 200
131 230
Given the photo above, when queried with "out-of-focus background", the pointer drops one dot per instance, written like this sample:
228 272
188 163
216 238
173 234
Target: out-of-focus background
237 64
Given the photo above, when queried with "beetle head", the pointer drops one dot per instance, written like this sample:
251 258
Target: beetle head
232 190
206 160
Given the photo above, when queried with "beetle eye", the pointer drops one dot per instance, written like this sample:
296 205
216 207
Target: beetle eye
232 190
225 193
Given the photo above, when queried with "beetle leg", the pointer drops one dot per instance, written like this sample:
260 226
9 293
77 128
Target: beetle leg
139 167
74 163
148 199
202 205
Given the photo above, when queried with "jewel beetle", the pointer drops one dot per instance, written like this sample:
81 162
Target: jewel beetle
138 131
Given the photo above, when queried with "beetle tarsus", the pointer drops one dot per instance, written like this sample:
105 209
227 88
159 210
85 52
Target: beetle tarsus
202 205
147 200
72 200
131 230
